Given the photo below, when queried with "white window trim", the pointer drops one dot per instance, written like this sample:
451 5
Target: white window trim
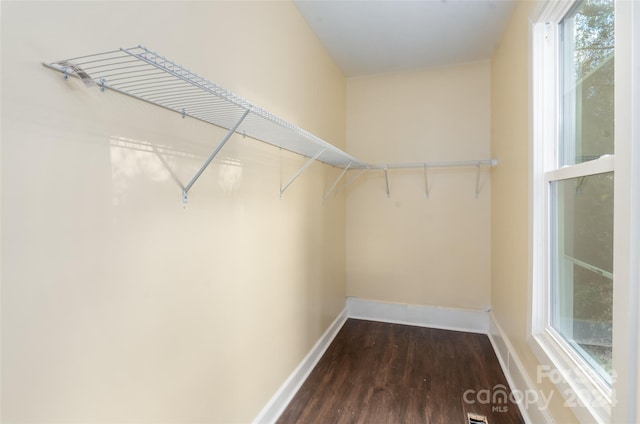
581 387
626 294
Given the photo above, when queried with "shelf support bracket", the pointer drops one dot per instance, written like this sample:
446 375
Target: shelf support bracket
301 170
386 178
185 192
335 183
348 183
478 180
426 181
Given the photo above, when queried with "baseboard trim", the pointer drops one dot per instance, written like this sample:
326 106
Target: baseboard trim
515 373
279 401
474 321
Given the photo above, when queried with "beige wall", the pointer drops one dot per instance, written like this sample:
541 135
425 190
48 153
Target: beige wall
510 196
119 304
408 248
510 180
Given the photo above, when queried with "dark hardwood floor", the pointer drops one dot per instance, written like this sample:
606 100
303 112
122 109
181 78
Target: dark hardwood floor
377 372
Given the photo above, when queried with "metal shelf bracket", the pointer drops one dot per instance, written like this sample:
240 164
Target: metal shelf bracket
301 170
185 192
386 178
352 180
425 166
335 183
426 181
478 180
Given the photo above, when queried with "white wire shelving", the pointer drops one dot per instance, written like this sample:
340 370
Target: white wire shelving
425 166
148 76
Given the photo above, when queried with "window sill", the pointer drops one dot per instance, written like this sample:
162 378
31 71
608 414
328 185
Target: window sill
589 400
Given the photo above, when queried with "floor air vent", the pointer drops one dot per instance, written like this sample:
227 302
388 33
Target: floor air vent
476 419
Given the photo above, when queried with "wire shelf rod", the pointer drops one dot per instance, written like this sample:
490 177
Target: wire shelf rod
76 59
177 98
205 109
104 63
201 102
200 106
169 84
108 75
141 81
122 61
180 98
221 120
183 97
442 164
116 71
211 112
102 67
165 88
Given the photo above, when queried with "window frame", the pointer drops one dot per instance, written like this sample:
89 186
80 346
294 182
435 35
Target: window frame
583 389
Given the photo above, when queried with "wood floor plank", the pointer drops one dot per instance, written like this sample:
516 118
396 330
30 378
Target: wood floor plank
385 373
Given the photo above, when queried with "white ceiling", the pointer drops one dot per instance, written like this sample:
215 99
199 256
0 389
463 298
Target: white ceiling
374 36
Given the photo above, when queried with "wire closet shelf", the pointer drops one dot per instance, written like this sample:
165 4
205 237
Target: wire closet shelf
148 76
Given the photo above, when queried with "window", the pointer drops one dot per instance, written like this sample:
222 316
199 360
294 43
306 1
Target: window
587 82
573 200
581 207
581 279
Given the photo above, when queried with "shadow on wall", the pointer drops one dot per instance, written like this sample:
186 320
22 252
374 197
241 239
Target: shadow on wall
132 158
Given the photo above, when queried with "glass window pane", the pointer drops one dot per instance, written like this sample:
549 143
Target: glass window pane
588 82
582 266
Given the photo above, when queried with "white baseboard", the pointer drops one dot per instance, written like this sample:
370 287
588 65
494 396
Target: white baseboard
424 316
516 374
279 401
474 321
